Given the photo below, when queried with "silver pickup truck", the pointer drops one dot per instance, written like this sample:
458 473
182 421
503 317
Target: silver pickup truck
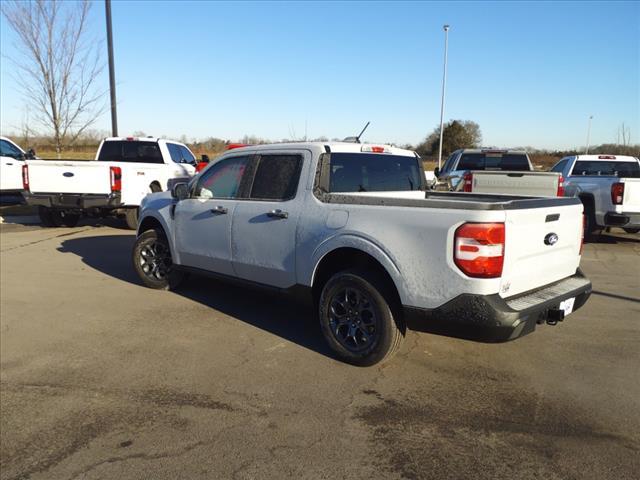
502 171
353 226
609 188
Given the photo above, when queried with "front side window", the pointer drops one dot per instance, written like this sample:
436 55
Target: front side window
276 177
9 150
185 155
362 172
223 179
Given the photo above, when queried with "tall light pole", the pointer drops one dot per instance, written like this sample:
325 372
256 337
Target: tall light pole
112 73
588 134
444 86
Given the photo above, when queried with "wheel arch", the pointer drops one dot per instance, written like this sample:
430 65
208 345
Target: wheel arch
348 257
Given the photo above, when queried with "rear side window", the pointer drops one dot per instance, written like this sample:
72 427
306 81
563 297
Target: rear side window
276 177
186 155
362 172
604 168
135 152
223 179
174 151
488 161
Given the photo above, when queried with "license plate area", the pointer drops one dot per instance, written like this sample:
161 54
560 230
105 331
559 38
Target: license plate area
567 305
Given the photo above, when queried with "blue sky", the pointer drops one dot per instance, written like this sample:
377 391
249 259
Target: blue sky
530 73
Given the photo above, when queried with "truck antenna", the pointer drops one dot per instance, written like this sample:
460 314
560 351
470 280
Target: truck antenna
358 137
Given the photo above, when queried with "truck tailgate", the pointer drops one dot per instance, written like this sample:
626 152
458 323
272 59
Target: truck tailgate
539 184
69 177
534 256
631 198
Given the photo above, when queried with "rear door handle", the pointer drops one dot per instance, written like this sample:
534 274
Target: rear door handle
220 210
277 214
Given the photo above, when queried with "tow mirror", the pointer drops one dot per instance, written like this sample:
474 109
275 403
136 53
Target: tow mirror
180 191
205 158
436 171
31 154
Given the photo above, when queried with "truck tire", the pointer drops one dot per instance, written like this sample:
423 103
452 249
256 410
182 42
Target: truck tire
591 229
153 263
632 230
46 218
61 218
357 319
131 217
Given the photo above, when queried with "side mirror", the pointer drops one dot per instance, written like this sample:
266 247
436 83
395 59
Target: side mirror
205 158
31 154
180 191
436 171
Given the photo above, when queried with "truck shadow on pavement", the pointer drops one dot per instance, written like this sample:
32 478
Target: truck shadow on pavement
275 313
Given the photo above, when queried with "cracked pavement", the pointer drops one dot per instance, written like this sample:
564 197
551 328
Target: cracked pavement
103 378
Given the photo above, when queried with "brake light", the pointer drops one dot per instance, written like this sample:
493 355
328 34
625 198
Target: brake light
467 182
231 146
617 193
584 225
130 139
560 192
374 149
25 177
115 175
479 249
607 157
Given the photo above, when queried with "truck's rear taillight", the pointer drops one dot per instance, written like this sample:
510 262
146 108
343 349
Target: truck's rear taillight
560 192
467 182
479 249
25 177
617 193
584 226
115 175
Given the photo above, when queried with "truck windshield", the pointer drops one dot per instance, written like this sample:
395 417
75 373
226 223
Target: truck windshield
364 172
493 161
127 151
612 169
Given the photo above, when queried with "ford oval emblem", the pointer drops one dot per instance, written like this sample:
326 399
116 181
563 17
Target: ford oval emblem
551 239
67 174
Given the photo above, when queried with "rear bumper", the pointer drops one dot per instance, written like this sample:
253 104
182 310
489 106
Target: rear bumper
80 201
491 318
613 219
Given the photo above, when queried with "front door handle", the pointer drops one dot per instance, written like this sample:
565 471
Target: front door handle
220 210
277 214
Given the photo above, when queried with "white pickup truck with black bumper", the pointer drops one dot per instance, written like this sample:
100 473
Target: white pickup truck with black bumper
609 188
354 226
124 172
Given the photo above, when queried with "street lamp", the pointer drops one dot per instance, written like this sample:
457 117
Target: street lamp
444 85
588 134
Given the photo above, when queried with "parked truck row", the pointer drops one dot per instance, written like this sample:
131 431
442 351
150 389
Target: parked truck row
491 246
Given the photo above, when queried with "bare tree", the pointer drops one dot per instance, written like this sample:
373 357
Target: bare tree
57 65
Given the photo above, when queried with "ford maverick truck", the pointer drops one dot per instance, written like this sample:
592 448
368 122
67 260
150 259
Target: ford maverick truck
354 226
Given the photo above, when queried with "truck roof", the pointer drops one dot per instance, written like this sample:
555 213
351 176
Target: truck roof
340 147
608 158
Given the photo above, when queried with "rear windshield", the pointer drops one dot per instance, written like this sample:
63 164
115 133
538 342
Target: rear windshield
371 172
612 169
123 151
493 161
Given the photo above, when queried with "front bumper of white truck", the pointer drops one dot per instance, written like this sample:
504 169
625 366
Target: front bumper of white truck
492 318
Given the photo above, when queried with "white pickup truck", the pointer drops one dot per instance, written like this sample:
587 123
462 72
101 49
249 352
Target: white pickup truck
609 188
507 172
353 226
124 172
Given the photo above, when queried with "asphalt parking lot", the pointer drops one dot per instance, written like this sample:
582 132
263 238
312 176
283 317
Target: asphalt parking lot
102 378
